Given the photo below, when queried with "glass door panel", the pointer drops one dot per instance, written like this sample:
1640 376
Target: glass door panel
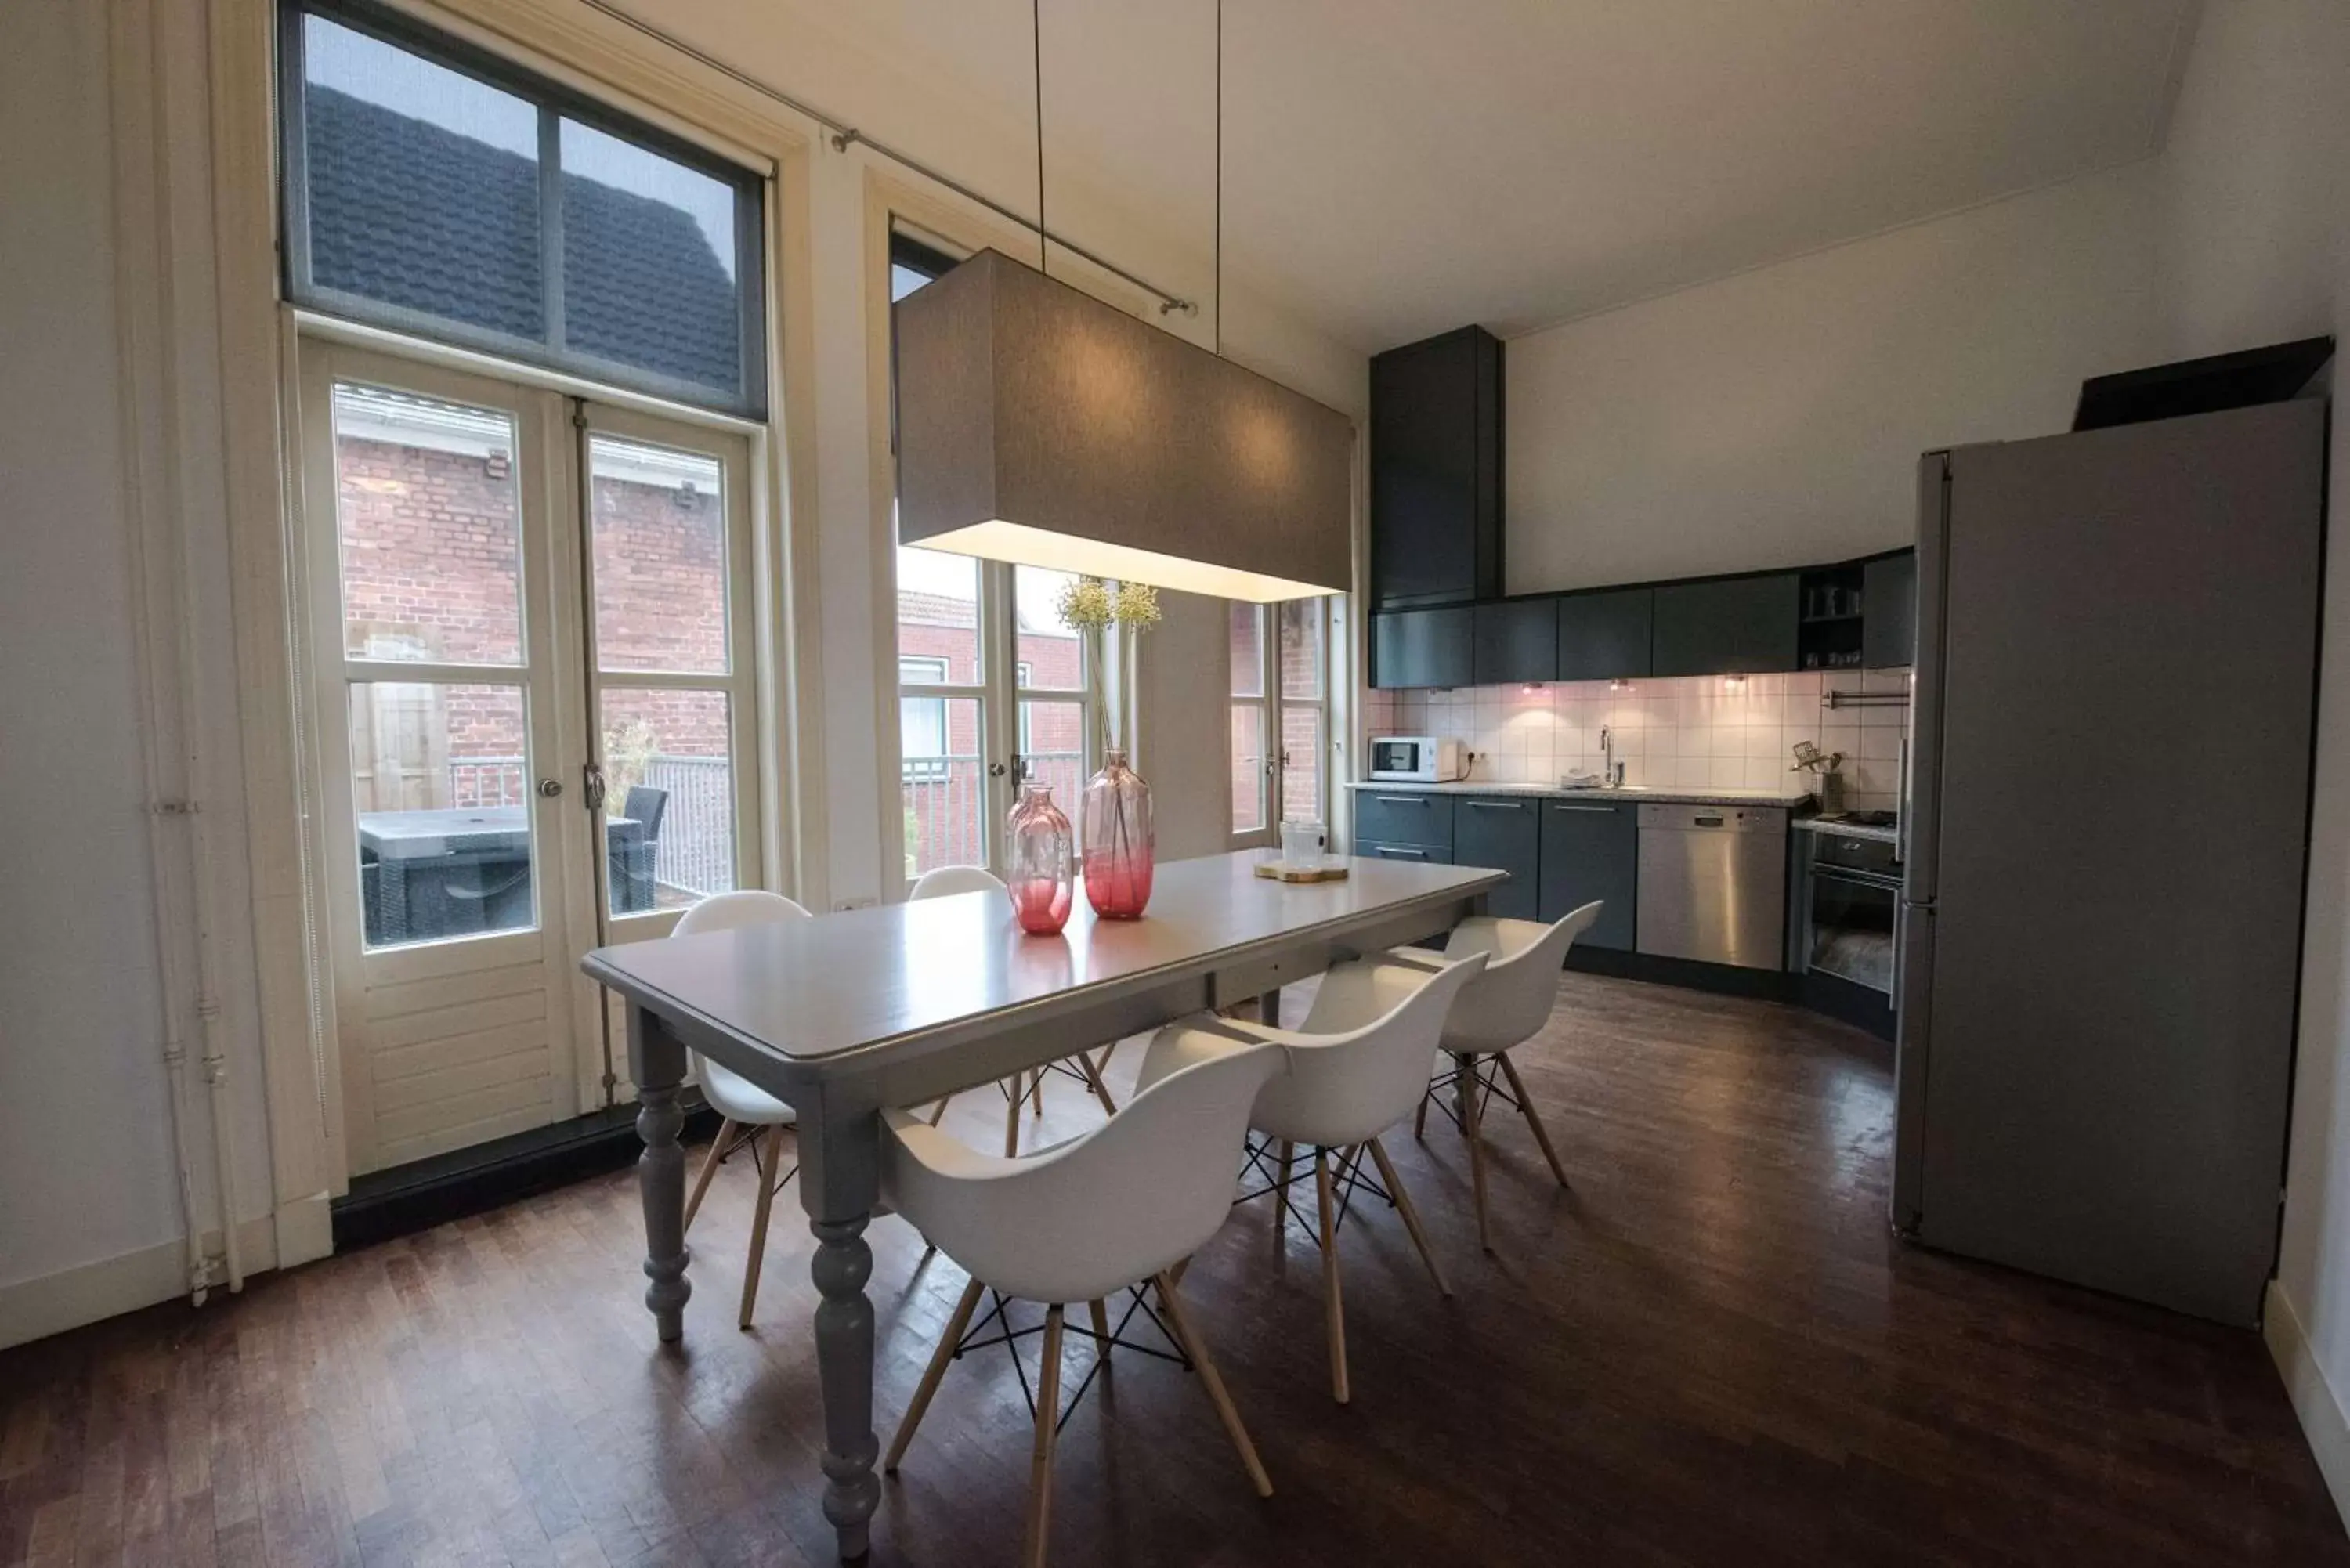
668 805
656 531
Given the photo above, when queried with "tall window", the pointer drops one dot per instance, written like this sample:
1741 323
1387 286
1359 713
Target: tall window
1280 714
991 688
435 190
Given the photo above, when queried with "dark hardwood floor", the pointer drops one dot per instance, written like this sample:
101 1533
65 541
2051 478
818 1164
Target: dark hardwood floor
1709 1352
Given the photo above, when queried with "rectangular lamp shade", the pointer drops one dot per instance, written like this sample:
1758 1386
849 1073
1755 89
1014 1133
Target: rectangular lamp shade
1037 425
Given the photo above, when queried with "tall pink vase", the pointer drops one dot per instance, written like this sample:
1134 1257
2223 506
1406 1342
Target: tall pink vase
1120 852
1037 856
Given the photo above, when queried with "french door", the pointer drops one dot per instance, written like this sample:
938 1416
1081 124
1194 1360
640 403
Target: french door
535 727
993 690
1281 744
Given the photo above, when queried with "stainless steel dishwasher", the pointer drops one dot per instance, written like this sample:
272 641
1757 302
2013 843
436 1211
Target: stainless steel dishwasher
1714 883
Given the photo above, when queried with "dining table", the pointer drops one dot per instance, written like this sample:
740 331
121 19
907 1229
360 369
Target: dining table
847 1014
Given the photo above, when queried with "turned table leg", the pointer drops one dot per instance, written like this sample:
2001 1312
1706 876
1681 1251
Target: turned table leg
840 1155
657 1062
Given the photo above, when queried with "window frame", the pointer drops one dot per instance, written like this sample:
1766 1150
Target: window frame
1271 705
555 103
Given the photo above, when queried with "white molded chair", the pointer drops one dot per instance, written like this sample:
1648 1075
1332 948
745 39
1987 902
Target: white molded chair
1356 1068
1121 1204
945 882
748 1111
1507 1005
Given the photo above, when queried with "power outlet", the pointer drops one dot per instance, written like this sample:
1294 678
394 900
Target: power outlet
855 901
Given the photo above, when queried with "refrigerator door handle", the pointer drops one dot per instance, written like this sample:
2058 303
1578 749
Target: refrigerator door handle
1901 816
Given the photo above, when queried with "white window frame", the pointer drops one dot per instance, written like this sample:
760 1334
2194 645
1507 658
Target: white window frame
1271 705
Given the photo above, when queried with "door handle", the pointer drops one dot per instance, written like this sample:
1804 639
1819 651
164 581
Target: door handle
1401 799
591 786
996 769
548 788
1389 852
1603 810
1494 805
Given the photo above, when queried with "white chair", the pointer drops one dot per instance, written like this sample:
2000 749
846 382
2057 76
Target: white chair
1114 1207
1356 1068
747 1111
945 882
1507 1005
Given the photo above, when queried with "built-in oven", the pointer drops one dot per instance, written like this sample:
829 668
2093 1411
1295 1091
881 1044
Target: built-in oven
1855 894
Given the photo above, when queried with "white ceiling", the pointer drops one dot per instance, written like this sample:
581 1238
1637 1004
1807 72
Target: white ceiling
1394 168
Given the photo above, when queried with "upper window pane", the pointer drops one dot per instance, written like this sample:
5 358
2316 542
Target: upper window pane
1300 623
649 261
423 184
439 189
1248 650
938 615
1052 656
659 527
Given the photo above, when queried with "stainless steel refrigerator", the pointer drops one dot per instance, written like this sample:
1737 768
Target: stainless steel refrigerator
2104 837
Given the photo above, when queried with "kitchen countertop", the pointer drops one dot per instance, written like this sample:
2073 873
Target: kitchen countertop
1660 797
1887 834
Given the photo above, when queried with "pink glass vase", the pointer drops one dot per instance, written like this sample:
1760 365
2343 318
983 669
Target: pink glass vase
1119 848
1037 856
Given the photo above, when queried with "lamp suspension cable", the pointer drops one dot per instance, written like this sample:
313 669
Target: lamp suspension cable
1220 180
1036 44
844 136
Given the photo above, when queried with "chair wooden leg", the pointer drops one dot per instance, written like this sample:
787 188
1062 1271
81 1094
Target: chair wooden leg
1040 1458
1475 1134
1036 1089
709 1169
1410 1215
938 1111
1334 1310
774 1144
1533 1118
1013 1093
1419 1119
1287 1155
1100 1311
956 1324
1094 1082
1210 1379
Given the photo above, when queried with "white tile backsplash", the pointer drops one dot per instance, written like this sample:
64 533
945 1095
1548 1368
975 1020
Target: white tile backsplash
1685 732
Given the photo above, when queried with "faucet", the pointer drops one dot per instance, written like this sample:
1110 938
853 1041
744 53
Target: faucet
1609 777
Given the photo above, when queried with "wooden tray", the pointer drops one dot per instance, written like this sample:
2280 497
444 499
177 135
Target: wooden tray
1278 871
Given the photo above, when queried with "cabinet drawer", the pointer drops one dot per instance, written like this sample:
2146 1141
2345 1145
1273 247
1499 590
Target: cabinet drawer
1432 854
1402 816
1505 833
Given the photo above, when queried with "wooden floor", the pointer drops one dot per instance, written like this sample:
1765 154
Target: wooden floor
1709 1352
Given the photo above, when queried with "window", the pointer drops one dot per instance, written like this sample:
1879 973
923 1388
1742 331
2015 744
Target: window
922 720
1280 713
437 189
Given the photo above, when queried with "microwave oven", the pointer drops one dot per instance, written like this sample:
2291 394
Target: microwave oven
1420 759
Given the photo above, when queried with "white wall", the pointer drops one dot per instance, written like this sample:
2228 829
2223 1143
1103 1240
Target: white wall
1774 418
2255 248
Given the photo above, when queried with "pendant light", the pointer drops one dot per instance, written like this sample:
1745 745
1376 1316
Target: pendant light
1039 426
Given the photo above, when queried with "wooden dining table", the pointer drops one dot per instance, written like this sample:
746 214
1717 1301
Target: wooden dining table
846 1015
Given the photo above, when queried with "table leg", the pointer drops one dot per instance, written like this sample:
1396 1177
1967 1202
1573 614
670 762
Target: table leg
840 1155
1268 1008
657 1062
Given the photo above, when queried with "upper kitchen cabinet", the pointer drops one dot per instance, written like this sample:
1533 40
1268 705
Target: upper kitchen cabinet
1605 636
1727 626
1424 647
1516 641
1436 472
1888 603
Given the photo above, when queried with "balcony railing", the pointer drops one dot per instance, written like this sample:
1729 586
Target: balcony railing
945 802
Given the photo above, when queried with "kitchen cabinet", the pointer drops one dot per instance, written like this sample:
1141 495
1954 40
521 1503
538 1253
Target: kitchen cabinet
1888 608
1515 641
1726 626
1424 647
1591 849
1419 818
1605 636
1436 472
1505 834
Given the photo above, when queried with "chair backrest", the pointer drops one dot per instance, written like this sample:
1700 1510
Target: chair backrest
1137 1194
944 881
644 806
1373 1026
1512 998
730 911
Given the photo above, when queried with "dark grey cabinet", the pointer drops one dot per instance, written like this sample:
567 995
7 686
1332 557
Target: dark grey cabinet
1726 626
1436 472
1424 647
1516 641
1605 636
1421 818
1888 611
1505 833
1591 849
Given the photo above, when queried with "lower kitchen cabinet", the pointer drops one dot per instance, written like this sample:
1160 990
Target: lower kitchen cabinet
1505 834
1591 849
